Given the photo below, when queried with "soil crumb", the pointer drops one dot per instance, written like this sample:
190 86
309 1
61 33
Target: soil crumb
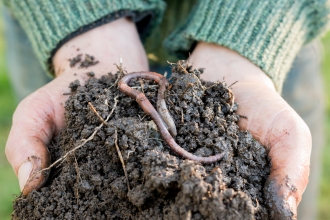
89 61
90 74
91 183
75 60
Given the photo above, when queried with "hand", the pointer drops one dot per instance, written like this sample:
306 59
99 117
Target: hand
269 119
40 116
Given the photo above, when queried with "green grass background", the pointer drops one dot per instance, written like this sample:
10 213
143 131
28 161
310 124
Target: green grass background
8 183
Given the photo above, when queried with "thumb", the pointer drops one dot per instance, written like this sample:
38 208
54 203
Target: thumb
31 174
289 156
288 141
32 130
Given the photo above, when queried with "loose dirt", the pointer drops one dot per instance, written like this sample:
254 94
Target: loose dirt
91 183
88 61
75 60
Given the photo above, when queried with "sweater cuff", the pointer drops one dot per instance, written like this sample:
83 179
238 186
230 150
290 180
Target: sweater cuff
269 33
51 23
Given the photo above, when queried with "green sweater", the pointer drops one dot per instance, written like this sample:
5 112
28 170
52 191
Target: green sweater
270 33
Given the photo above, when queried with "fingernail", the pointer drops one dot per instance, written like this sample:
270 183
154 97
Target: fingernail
292 205
24 172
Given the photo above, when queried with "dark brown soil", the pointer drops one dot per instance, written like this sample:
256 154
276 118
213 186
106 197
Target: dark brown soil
88 61
75 60
91 184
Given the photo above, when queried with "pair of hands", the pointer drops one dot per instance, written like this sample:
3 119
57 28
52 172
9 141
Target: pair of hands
40 116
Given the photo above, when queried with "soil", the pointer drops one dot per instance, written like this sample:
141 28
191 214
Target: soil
91 183
88 61
75 60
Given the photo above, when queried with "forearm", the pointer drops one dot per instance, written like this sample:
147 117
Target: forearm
233 66
51 23
107 44
269 119
268 33
40 116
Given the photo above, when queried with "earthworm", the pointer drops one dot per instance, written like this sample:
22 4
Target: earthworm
161 105
147 107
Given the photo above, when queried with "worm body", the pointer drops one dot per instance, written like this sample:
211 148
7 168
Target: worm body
162 110
140 97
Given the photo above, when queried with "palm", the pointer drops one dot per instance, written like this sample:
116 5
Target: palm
278 127
36 120
269 119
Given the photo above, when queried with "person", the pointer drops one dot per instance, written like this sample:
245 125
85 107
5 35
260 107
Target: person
253 42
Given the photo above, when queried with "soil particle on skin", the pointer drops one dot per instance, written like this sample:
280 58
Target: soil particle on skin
91 183
89 61
75 60
90 74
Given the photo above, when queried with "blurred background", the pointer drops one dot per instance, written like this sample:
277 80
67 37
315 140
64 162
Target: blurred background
8 182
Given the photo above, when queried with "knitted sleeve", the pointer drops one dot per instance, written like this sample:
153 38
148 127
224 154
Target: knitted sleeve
51 23
269 33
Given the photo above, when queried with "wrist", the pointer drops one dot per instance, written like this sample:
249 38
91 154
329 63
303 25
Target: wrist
107 43
222 63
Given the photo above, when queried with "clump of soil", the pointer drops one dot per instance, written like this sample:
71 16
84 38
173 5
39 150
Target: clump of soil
87 62
75 60
91 183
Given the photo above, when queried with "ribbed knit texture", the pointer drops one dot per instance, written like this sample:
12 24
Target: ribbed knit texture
270 33
49 22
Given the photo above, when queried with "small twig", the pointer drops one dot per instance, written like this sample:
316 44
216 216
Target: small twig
145 115
176 111
121 160
193 75
77 168
186 90
183 68
169 87
129 152
98 115
156 139
237 213
215 84
149 86
142 85
84 140
121 71
170 101
258 206
116 82
232 84
243 116
182 116
77 180
170 63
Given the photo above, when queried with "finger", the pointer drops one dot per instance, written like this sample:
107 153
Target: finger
32 129
289 152
287 138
